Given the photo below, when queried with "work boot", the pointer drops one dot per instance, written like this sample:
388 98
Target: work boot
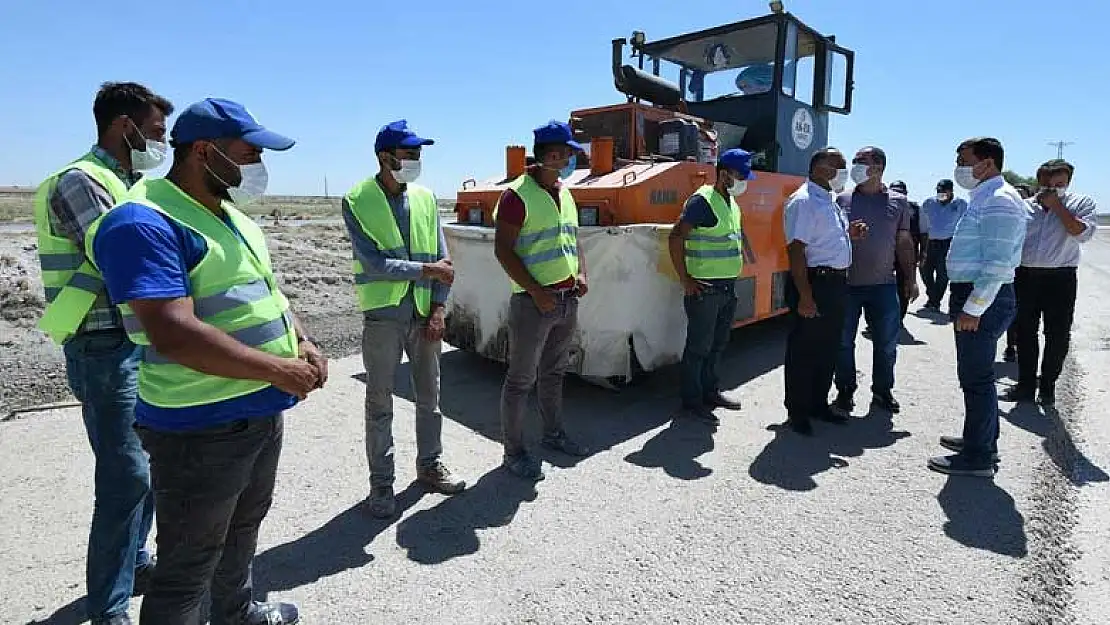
1048 395
719 400
844 403
956 444
1010 355
1018 393
382 503
524 466
885 401
272 614
961 466
559 441
438 477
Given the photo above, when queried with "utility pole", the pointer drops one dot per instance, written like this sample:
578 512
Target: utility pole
1060 145
326 196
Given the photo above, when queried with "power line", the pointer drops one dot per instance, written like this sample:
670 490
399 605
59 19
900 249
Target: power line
1060 145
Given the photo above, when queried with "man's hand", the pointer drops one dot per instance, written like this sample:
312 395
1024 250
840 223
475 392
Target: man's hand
544 300
691 287
857 230
912 292
581 284
967 323
436 325
297 377
807 307
316 358
1050 200
440 271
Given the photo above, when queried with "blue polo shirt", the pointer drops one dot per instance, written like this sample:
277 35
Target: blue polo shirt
144 255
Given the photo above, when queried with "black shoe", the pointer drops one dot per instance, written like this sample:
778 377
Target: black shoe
886 401
1010 355
828 415
867 334
143 576
699 413
959 465
1048 396
1018 393
718 400
956 444
801 425
844 403
559 441
272 614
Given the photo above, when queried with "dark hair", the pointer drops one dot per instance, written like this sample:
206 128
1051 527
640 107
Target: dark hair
1056 166
820 156
880 155
984 148
126 98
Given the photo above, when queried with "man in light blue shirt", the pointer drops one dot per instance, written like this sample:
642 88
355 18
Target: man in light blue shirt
985 250
939 217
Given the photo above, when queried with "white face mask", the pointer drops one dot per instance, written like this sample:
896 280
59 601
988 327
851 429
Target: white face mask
409 172
840 180
738 187
859 173
1061 191
965 177
944 197
253 185
150 158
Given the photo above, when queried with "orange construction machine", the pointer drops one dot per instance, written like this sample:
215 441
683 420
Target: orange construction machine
766 85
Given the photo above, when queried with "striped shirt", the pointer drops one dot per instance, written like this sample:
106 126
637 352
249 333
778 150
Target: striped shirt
1049 244
77 201
986 247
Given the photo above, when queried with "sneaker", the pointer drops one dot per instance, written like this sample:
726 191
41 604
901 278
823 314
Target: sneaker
561 442
719 400
1010 355
439 478
886 401
382 503
1048 396
699 413
1018 393
524 466
272 614
956 444
844 403
144 574
960 466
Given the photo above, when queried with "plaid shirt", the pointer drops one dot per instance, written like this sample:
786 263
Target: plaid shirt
77 201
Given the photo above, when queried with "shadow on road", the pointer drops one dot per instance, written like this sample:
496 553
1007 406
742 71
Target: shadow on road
906 338
676 448
600 418
791 461
937 318
1057 442
983 516
337 546
73 613
450 529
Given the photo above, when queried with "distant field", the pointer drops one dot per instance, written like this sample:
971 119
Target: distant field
15 205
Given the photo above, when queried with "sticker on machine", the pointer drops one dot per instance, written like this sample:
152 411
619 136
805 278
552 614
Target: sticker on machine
801 129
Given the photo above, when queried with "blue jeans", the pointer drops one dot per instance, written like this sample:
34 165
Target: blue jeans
709 324
975 354
102 370
880 306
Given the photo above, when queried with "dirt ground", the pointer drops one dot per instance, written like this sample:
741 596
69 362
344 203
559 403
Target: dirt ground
312 261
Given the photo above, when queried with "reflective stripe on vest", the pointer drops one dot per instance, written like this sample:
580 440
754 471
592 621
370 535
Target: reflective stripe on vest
71 284
548 240
233 289
378 231
716 253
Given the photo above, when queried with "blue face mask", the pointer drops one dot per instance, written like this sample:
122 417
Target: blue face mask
567 171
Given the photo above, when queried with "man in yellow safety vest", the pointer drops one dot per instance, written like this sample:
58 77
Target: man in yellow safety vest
707 251
223 357
101 363
536 242
402 276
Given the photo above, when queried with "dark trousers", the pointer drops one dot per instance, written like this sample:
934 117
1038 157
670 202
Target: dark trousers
813 344
902 281
879 305
709 318
975 355
934 271
212 488
1049 293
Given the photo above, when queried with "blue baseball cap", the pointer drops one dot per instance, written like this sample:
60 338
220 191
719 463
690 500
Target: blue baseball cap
739 161
556 132
214 118
397 135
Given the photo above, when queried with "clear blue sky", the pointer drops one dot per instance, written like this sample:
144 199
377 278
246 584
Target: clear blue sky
479 75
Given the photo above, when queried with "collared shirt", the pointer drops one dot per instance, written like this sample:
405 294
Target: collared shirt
886 213
77 201
811 216
939 220
1047 241
987 245
375 263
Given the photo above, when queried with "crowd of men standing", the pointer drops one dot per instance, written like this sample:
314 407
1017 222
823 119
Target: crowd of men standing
185 354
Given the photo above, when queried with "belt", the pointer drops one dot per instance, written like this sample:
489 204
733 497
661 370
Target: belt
827 271
564 293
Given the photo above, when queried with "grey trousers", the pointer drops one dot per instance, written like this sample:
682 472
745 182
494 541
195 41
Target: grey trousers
382 343
539 352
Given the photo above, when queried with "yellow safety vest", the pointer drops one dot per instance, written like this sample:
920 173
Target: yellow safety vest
548 241
717 252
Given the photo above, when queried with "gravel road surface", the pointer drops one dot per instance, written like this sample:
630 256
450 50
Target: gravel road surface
668 522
